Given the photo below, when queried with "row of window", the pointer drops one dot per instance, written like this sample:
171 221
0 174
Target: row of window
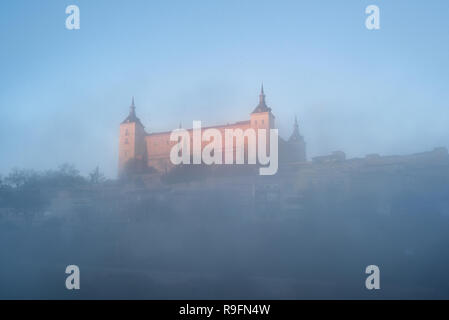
167 142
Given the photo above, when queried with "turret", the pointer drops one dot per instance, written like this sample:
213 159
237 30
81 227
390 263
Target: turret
131 140
261 117
297 145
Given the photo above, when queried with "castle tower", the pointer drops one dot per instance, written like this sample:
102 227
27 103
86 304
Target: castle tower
262 118
132 148
297 145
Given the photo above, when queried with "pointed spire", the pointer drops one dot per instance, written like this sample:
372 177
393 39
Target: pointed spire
295 135
262 96
262 106
132 114
180 124
132 107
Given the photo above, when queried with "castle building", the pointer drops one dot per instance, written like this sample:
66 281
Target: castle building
140 151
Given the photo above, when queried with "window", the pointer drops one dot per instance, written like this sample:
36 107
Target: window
262 121
126 141
126 132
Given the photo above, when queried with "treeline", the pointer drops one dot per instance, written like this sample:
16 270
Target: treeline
29 191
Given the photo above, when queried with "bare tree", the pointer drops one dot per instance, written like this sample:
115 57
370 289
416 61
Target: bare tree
96 177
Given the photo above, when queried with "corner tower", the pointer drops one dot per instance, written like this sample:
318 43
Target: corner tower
261 117
297 145
132 134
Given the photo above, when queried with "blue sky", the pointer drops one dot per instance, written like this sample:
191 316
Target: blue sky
63 93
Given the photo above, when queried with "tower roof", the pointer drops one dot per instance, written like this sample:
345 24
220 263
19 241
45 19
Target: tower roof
262 106
296 136
132 114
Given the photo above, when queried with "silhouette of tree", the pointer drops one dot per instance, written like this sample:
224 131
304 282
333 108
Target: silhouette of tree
67 176
18 178
68 169
30 192
96 177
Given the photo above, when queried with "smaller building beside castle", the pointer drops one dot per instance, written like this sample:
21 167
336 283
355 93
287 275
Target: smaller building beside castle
139 150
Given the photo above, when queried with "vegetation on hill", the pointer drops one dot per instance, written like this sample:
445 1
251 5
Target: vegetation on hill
29 191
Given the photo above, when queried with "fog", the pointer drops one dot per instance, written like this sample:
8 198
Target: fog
203 237
202 234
